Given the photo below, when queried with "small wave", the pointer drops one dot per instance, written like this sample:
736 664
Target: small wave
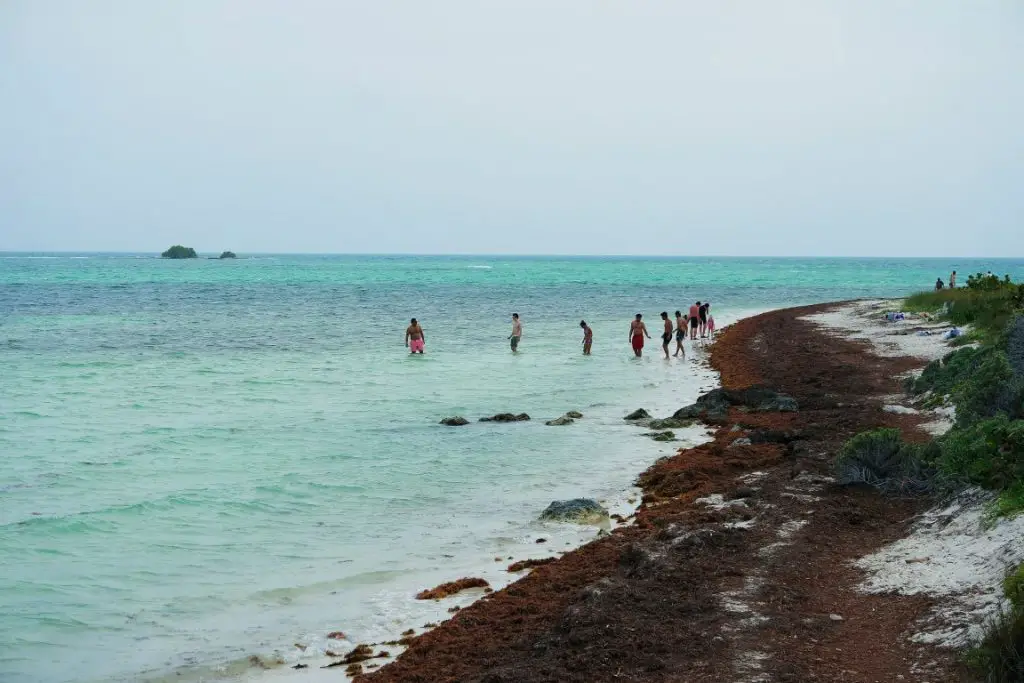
480 267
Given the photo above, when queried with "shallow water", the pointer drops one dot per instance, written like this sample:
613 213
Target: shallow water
205 460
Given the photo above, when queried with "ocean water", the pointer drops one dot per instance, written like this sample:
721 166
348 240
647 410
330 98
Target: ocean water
207 460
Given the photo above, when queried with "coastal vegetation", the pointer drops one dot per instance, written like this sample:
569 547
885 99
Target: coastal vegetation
983 381
179 252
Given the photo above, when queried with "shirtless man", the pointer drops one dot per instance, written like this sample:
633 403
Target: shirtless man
588 337
637 332
680 334
694 320
414 337
666 335
517 333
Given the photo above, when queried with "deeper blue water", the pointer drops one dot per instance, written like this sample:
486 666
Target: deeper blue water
203 460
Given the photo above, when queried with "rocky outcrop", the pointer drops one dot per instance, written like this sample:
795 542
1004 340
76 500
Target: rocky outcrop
670 423
638 414
574 414
560 421
455 421
179 252
715 404
506 417
227 254
578 510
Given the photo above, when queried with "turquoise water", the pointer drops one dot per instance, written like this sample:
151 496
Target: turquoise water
205 460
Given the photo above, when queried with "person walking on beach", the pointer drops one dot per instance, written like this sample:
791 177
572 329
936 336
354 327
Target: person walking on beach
680 334
711 321
666 335
588 337
517 333
952 280
702 311
414 337
637 332
694 320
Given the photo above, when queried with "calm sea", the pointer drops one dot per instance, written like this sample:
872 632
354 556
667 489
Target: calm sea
205 460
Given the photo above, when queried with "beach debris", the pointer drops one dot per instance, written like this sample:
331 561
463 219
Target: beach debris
560 421
638 414
506 417
662 436
354 669
455 421
578 510
301 646
541 540
336 635
574 414
451 588
529 564
409 632
453 610
301 666
742 441
835 617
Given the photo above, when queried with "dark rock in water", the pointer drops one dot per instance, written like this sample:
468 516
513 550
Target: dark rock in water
661 436
227 254
715 404
506 417
560 421
578 510
670 423
456 421
639 414
574 414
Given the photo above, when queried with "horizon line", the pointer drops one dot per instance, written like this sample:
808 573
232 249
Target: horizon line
512 255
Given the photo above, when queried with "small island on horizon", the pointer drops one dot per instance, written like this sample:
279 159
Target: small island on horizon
179 252
227 254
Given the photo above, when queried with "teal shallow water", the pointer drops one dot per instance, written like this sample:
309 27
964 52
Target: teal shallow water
204 460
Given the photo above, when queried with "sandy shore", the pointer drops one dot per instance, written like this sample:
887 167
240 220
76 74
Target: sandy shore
744 561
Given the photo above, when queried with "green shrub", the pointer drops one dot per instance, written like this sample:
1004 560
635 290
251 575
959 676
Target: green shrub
942 376
987 303
999 658
990 389
989 454
881 459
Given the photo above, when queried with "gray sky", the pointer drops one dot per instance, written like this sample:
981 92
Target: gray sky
869 127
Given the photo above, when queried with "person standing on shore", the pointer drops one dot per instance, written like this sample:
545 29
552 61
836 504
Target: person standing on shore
711 322
952 280
680 334
517 333
414 337
702 311
637 332
666 334
588 337
938 283
694 320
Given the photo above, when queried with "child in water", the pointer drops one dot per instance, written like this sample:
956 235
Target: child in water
711 322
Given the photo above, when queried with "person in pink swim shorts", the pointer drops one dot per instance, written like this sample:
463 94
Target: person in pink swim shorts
414 337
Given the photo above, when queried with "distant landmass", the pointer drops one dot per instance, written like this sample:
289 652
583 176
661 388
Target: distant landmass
178 251
227 254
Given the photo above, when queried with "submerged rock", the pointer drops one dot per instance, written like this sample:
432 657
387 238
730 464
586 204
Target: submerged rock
670 423
455 421
578 510
662 436
638 414
574 414
560 421
506 417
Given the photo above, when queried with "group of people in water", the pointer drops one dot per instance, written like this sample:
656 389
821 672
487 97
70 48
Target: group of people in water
952 281
698 321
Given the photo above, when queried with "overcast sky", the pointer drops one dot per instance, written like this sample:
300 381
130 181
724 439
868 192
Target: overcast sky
869 127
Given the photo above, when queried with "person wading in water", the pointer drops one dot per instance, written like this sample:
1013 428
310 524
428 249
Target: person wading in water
637 332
